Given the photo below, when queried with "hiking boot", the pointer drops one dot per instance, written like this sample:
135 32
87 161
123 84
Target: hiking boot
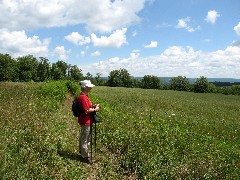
86 160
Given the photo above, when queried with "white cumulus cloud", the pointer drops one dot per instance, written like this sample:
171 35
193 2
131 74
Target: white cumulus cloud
115 40
183 24
134 33
17 43
61 53
153 44
236 43
134 55
212 16
96 53
237 29
176 61
82 53
77 38
96 15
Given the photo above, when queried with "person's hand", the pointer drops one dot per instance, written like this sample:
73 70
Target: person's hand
96 105
97 108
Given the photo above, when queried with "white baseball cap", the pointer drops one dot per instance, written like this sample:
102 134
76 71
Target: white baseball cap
86 83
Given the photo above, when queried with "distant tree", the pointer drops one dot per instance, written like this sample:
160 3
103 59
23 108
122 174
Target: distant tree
224 90
126 78
235 89
136 83
75 73
27 66
221 84
89 76
63 67
56 73
179 83
43 71
212 88
114 79
119 78
151 82
97 80
165 86
59 70
201 85
8 68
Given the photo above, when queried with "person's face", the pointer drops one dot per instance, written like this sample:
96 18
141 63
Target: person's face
88 89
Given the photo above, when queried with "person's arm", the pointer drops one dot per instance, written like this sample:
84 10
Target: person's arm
90 110
93 109
85 105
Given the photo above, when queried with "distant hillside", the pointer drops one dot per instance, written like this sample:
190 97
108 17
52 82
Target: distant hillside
231 80
192 80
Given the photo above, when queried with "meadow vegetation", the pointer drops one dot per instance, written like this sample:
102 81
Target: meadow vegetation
171 134
144 133
39 135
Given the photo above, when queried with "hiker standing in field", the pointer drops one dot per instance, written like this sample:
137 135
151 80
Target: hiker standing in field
85 118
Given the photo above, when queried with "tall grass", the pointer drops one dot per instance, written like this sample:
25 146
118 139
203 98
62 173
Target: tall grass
39 135
33 132
144 134
169 134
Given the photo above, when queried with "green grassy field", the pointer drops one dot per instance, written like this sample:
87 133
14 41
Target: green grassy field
170 134
144 134
39 135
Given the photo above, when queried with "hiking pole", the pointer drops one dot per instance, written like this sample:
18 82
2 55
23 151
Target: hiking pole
91 141
95 138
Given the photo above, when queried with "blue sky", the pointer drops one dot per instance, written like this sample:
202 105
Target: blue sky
189 38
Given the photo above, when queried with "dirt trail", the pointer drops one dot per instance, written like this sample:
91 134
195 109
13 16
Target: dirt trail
103 166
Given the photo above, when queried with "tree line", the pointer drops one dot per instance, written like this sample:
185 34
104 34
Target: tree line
28 68
181 83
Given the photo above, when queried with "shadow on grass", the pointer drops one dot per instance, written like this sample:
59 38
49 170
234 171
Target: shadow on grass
69 155
72 156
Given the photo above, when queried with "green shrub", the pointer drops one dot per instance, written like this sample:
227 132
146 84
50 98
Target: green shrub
54 93
73 87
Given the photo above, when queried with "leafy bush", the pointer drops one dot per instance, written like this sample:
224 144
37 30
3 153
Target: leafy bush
224 90
54 93
73 87
236 89
212 88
